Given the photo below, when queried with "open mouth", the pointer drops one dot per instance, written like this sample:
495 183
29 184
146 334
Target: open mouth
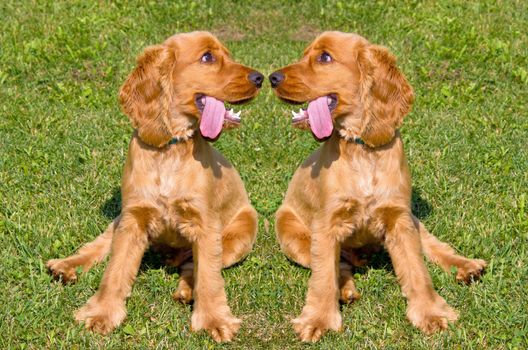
318 115
215 115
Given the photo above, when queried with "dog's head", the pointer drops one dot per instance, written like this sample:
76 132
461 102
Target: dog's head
350 84
181 85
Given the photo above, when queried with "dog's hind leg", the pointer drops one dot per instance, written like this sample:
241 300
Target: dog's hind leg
445 256
89 255
238 236
293 235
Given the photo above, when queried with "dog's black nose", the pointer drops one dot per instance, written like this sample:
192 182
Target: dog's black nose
256 78
276 78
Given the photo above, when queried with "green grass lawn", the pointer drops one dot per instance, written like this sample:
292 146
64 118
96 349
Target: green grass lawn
63 142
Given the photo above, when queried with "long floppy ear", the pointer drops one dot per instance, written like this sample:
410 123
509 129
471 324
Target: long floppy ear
386 95
144 97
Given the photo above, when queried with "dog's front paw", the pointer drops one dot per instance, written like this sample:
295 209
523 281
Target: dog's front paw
313 323
471 271
61 270
101 317
431 316
221 325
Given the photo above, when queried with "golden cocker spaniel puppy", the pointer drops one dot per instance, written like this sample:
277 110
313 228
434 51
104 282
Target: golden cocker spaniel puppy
177 191
355 190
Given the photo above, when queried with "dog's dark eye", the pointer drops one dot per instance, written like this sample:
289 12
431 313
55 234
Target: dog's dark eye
207 57
325 58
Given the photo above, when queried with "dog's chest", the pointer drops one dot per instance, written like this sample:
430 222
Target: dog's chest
361 179
167 176
171 192
167 179
365 179
364 190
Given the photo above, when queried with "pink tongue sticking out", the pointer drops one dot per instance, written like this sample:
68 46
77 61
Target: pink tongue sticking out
320 118
212 117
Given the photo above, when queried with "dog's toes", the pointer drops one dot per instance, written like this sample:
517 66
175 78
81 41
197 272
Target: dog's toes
183 295
310 327
101 318
62 271
349 295
471 271
432 324
224 333
308 333
99 324
222 328
432 317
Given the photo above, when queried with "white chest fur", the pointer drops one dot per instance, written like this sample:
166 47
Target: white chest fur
167 176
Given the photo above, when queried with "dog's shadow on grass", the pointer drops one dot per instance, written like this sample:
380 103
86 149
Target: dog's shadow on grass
420 207
112 207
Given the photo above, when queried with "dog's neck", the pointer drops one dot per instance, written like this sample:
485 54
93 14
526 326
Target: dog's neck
180 136
350 129
172 127
352 148
182 128
177 140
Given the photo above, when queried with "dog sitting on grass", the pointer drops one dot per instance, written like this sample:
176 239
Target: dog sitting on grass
176 189
355 190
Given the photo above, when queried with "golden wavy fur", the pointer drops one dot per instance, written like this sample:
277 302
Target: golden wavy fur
351 194
183 195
